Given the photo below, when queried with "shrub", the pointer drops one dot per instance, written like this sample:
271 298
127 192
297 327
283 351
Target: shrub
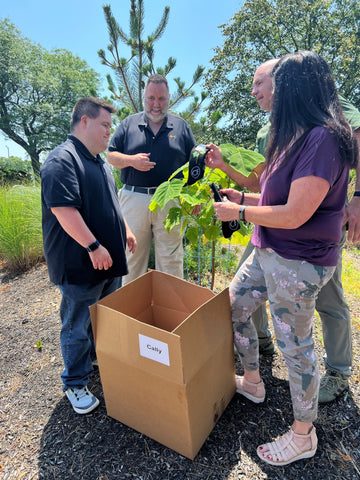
13 170
20 227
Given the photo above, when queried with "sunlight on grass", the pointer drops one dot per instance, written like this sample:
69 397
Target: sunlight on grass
351 285
20 226
351 281
351 274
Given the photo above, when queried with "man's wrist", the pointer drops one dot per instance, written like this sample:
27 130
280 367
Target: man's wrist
93 246
357 193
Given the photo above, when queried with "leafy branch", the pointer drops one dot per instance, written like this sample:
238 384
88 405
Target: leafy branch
190 196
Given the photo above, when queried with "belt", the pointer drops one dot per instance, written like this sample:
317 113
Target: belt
147 190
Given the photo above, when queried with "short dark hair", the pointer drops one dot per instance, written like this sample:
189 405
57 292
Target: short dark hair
89 106
157 78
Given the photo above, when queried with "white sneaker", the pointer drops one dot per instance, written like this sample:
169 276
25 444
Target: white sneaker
82 400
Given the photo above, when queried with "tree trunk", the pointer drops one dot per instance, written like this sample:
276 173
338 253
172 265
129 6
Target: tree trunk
35 163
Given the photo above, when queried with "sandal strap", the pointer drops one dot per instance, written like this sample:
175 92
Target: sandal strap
285 448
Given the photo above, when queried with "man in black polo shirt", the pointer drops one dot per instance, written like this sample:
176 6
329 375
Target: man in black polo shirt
148 147
85 237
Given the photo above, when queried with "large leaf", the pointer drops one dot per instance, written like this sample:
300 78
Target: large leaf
242 160
212 233
206 214
166 192
191 198
192 234
173 218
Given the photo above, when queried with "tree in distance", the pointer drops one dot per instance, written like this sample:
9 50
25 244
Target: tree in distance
265 29
38 89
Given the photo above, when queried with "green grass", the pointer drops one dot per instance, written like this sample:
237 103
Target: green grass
351 281
351 284
20 226
351 272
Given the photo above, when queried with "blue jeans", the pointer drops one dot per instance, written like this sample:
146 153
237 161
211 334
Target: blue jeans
76 337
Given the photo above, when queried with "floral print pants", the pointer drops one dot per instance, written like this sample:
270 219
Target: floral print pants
291 286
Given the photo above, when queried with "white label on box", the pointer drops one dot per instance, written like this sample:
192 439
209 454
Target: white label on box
154 349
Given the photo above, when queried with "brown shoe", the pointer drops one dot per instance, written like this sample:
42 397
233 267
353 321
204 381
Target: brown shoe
252 391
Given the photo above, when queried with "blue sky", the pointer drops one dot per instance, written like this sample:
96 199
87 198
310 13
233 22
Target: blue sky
79 26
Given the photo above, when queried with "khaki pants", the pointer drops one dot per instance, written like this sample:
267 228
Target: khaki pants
145 225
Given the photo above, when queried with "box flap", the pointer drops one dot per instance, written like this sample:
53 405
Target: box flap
160 289
132 299
173 292
203 331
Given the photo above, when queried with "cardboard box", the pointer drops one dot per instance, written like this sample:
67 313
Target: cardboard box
166 360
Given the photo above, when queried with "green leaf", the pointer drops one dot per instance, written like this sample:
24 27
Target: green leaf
165 192
179 170
191 198
173 218
206 215
242 160
192 234
212 233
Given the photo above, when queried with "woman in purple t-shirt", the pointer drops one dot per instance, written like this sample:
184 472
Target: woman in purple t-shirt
298 219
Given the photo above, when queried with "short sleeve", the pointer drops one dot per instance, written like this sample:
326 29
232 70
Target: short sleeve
59 181
319 157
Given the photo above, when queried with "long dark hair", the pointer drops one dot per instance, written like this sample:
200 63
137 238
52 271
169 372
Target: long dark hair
304 97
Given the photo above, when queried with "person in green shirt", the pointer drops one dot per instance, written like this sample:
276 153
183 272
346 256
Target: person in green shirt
331 304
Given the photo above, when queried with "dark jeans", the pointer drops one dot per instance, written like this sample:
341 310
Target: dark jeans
76 337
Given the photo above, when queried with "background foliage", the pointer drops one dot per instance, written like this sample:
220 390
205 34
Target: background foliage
38 90
20 227
13 170
264 29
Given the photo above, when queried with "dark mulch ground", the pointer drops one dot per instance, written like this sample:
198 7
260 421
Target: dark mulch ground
42 438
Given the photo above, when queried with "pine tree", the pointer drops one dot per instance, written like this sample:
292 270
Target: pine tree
131 72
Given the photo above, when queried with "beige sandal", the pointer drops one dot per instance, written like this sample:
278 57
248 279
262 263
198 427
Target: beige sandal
284 450
253 391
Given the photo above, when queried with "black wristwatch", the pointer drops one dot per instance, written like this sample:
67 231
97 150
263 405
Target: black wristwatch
93 246
242 213
357 193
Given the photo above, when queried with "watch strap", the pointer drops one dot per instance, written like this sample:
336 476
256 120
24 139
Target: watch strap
242 213
93 246
357 193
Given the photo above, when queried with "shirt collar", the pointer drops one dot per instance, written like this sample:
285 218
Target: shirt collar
84 151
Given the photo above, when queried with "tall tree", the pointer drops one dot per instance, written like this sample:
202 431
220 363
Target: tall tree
131 72
38 89
264 29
